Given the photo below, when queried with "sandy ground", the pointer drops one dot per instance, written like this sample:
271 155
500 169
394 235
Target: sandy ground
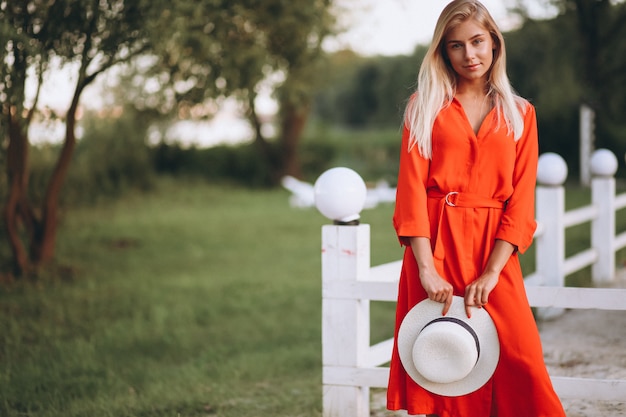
579 343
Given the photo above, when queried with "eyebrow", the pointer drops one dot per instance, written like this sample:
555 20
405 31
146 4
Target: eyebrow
478 35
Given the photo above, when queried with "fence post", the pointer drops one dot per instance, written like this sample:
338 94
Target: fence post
345 322
550 207
340 195
603 169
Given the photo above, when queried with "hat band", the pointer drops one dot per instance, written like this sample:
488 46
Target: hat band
462 324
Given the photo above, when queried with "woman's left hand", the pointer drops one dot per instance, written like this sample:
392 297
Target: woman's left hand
477 293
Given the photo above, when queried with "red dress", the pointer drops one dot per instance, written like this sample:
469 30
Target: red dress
494 176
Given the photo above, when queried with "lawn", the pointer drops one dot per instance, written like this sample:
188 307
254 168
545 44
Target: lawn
195 300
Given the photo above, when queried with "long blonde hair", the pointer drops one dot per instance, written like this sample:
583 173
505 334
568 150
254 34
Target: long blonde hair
436 82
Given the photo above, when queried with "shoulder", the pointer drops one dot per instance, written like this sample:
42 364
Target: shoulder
524 106
413 98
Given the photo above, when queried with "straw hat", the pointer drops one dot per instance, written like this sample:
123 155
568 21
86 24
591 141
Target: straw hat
449 355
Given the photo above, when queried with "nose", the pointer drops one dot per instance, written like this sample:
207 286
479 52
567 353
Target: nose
469 53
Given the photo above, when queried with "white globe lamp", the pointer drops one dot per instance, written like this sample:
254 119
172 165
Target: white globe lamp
340 195
603 163
552 169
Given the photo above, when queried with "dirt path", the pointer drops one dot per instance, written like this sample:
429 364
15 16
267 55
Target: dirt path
587 344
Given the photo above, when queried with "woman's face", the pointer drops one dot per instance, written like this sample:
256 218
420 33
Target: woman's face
470 48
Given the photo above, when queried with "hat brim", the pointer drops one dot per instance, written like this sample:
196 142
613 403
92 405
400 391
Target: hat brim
482 324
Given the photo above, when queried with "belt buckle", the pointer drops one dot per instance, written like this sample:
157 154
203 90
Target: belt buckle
449 196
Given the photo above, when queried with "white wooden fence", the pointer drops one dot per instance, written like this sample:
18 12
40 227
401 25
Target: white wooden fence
351 366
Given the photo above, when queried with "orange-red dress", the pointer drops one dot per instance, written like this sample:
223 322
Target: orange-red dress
494 176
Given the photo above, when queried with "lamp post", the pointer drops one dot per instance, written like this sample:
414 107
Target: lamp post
340 196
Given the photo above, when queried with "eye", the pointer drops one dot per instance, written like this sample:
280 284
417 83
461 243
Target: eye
478 41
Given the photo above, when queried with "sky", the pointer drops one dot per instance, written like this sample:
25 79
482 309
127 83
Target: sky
395 27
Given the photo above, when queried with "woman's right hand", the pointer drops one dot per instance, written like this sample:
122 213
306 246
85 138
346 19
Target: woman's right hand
437 288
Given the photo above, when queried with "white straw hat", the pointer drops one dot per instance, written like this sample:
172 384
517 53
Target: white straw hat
449 355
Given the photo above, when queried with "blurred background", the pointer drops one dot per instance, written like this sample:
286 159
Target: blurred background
273 88
149 258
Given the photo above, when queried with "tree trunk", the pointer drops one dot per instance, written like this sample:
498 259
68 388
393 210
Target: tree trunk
18 215
15 211
259 141
293 122
44 243
266 151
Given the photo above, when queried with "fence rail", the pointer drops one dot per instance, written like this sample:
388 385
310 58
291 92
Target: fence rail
351 366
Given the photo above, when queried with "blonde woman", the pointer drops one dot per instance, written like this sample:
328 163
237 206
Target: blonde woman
465 210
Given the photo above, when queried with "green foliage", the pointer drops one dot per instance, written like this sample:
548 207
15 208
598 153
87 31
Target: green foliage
203 51
93 36
316 156
110 159
101 33
212 48
367 92
541 68
551 63
373 153
237 164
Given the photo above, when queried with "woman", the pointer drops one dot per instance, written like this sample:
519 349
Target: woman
465 209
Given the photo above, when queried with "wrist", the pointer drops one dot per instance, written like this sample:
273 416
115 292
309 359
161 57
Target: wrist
426 269
492 271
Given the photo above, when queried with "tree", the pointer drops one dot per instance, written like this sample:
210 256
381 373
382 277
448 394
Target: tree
94 35
601 31
589 36
197 50
211 49
367 92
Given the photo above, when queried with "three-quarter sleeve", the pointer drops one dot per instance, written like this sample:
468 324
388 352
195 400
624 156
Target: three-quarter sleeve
518 220
410 218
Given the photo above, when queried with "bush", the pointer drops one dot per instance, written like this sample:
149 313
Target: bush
240 164
111 158
373 153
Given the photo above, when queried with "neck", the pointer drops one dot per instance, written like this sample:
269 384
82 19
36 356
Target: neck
474 89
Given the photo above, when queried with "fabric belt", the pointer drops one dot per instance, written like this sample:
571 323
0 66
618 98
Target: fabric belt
457 199
467 200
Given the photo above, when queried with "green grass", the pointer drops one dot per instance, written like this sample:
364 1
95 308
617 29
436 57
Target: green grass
196 300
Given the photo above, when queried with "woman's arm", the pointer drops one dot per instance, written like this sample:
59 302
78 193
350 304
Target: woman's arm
437 288
477 293
518 225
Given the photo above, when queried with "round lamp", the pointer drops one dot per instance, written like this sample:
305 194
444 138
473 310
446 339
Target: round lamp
603 163
552 169
340 194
